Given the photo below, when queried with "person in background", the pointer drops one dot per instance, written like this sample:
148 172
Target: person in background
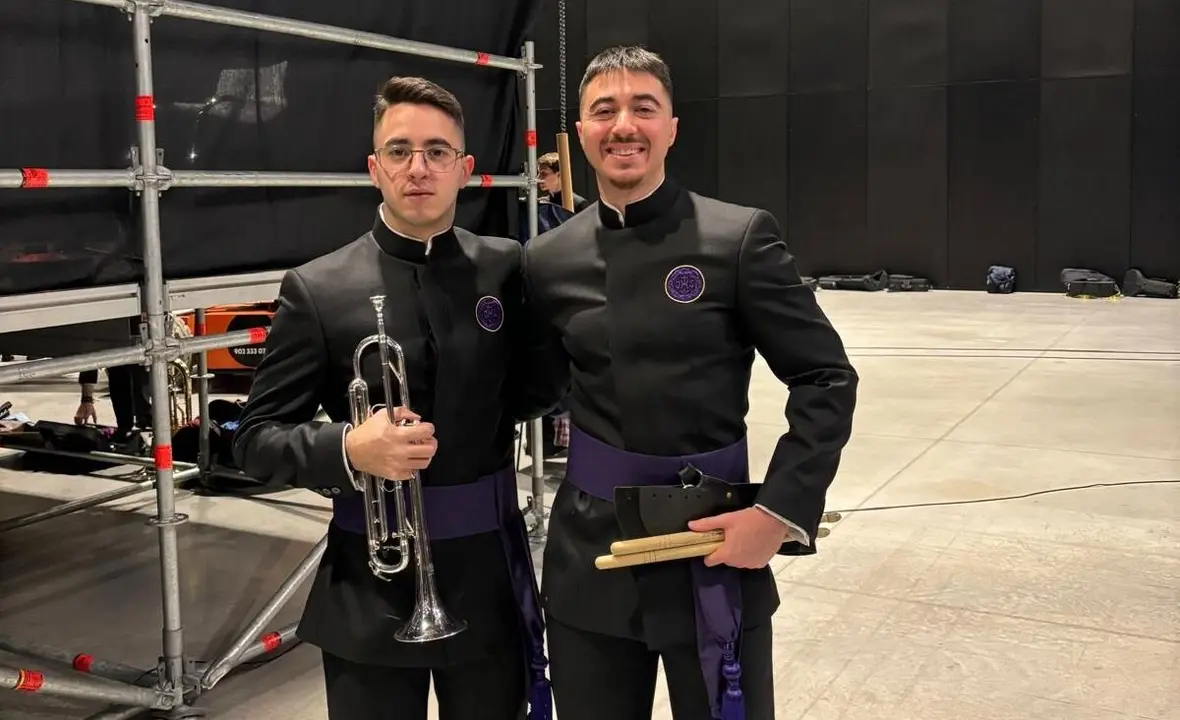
549 178
129 390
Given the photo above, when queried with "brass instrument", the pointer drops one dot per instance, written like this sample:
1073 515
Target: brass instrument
180 393
180 381
429 621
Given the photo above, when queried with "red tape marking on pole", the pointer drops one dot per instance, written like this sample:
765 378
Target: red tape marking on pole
163 456
29 680
485 180
145 108
199 329
271 641
257 335
530 138
83 662
34 178
482 58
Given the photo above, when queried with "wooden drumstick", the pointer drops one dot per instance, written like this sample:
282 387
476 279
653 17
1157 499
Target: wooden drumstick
665 542
659 548
656 543
684 552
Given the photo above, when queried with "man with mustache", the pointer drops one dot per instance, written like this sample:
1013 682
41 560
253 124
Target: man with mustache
656 300
453 303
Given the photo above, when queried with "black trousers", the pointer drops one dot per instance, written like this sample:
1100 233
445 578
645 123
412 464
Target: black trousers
131 393
491 689
596 677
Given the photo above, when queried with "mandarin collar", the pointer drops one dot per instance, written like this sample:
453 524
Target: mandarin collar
407 248
641 211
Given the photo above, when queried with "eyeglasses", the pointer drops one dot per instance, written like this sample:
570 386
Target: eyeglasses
438 158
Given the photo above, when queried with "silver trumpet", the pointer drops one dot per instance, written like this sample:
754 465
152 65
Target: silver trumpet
429 621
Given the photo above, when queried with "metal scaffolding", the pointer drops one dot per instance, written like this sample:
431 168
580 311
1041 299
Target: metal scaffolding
175 684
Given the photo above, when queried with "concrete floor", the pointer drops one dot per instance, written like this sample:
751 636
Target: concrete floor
1063 605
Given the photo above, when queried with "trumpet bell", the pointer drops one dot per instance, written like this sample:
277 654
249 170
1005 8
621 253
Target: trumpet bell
428 623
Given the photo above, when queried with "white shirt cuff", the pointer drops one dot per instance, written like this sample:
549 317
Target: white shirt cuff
794 532
344 451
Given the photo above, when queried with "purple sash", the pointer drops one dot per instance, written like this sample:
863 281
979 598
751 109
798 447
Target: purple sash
486 505
596 468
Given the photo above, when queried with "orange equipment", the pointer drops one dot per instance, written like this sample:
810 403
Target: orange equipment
229 318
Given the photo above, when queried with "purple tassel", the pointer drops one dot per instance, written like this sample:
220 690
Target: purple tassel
733 704
541 700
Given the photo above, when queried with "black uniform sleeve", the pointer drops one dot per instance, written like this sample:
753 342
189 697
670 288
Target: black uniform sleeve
538 370
88 377
805 352
278 442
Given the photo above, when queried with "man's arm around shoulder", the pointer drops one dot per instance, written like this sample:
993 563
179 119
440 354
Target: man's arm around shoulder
538 373
789 329
278 442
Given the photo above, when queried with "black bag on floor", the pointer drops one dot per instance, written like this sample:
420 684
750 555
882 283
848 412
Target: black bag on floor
1088 283
871 283
908 283
223 422
1001 279
1135 285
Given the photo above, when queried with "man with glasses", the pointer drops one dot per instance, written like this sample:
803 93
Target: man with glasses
453 303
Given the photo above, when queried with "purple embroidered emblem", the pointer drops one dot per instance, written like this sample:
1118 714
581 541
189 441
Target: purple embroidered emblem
685 284
489 313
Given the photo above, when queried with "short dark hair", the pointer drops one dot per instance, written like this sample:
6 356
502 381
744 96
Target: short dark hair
418 91
549 161
632 58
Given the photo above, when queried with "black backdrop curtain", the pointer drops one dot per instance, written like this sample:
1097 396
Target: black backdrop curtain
229 99
929 137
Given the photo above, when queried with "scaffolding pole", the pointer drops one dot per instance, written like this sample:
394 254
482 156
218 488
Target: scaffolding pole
165 179
178 681
535 429
315 31
167 519
170 349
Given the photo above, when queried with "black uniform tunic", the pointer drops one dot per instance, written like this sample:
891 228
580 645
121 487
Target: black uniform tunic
455 310
658 314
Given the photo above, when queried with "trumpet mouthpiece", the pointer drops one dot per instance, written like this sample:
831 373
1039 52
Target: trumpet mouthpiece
378 301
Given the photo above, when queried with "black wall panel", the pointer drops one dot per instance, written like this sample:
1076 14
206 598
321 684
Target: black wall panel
907 181
752 153
753 41
1085 207
993 169
612 22
684 33
1085 38
1157 37
829 45
907 42
934 137
827 182
693 159
994 40
1155 224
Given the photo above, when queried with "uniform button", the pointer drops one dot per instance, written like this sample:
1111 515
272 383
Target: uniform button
335 491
